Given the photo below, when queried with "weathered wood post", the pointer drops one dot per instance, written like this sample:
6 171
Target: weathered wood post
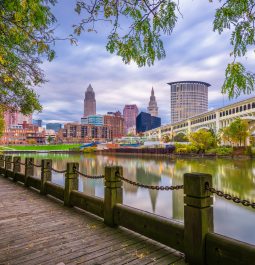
113 193
2 160
16 166
29 169
198 216
46 174
8 165
71 181
2 157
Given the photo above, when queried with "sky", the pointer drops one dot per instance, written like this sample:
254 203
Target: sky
193 52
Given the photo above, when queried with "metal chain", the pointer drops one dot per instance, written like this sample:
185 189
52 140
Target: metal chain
22 164
58 171
230 197
151 187
88 176
35 165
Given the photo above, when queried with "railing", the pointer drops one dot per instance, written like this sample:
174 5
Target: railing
195 238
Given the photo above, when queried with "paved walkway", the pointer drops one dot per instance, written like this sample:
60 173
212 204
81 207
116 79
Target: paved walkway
36 230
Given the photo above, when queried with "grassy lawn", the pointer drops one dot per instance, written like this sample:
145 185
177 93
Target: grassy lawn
39 147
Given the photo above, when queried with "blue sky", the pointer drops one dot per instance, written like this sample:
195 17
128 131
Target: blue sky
193 52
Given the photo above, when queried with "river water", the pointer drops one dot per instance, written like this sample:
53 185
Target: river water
236 177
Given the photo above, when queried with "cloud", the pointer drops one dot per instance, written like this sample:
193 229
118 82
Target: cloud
194 52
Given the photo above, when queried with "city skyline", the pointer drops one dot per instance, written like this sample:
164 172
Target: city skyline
194 52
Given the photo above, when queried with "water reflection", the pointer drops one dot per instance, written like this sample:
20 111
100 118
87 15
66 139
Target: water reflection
236 177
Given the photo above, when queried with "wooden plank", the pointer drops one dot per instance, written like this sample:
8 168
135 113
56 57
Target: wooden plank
54 190
91 204
147 224
38 230
222 250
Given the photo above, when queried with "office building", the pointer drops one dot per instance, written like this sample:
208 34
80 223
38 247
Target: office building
97 120
116 122
188 98
13 118
130 113
145 122
37 122
54 126
152 107
89 102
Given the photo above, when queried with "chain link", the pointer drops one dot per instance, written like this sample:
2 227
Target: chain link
88 176
230 197
35 165
58 171
22 164
151 187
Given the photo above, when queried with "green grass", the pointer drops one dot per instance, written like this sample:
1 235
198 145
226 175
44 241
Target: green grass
40 147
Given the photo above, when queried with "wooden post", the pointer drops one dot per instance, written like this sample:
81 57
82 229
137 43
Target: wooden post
16 166
29 169
2 157
46 174
198 216
8 164
113 193
71 181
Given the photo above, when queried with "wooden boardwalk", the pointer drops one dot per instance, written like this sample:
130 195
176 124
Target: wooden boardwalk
36 230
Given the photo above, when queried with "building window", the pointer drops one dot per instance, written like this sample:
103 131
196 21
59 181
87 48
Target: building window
249 106
244 107
241 108
253 105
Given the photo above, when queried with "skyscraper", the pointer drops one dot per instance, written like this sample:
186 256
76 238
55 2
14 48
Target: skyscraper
130 113
188 98
89 102
153 108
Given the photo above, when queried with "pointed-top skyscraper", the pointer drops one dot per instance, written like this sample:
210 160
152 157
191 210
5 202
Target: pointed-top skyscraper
153 108
89 102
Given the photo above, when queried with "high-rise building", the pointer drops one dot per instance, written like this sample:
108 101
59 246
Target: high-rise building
89 102
152 107
188 98
13 118
145 122
130 113
37 122
116 123
54 126
97 120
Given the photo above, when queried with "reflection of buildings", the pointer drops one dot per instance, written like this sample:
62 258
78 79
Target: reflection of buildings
177 201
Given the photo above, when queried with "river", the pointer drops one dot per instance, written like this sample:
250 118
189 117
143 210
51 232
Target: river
236 177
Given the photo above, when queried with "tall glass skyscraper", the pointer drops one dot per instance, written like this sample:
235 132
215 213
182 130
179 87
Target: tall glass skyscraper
188 98
89 102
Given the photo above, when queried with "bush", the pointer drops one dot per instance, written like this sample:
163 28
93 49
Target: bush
222 150
181 150
89 149
211 151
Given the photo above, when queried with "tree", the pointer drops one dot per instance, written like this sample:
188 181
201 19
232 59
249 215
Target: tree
181 137
202 139
166 138
26 36
138 26
50 139
237 132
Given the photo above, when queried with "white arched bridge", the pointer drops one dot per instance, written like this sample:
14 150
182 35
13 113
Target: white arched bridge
214 119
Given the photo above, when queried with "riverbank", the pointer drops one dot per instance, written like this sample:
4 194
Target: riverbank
34 148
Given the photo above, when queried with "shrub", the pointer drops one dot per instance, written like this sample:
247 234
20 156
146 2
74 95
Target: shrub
222 150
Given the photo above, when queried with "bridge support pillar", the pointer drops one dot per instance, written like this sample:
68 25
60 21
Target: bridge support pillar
198 216
45 174
71 181
113 193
